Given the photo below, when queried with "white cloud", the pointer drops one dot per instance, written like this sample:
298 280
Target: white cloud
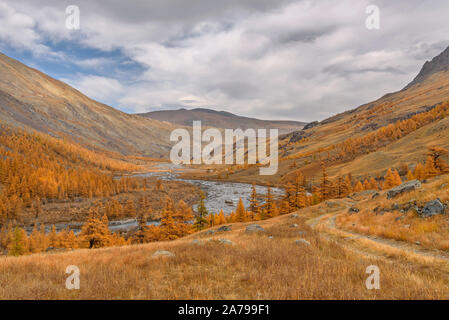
270 59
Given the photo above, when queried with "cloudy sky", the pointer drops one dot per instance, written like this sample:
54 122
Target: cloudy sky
283 59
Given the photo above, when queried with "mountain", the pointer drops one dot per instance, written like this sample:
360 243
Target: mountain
221 119
438 64
341 141
32 100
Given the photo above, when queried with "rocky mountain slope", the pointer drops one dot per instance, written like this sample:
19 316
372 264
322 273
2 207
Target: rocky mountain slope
305 149
33 100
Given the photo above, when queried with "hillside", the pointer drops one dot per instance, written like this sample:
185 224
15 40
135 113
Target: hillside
305 250
221 119
33 100
341 141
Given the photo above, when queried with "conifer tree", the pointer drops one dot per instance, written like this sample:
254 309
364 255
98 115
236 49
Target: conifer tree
253 204
268 206
240 213
419 173
358 187
410 175
200 220
95 233
17 245
325 184
221 218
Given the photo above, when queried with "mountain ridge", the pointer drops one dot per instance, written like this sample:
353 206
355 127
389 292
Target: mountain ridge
220 119
31 99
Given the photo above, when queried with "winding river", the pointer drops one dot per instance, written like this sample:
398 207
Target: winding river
219 195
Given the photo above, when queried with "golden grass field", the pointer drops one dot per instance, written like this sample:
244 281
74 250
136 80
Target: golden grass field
432 233
253 267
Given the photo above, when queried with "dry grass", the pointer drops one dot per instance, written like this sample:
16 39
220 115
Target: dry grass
432 233
254 267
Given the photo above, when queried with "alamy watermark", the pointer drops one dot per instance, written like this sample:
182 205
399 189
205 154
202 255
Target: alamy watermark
73 280
372 22
72 21
189 150
373 281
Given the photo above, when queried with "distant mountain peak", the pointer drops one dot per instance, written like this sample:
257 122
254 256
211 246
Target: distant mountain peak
438 64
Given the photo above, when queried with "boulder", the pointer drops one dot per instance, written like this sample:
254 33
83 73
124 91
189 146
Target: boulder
294 216
354 210
294 226
302 242
254 228
377 194
432 208
209 232
163 253
224 229
405 187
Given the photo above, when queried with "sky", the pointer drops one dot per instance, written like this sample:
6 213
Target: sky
270 59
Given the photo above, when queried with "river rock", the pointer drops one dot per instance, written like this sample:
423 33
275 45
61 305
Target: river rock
224 229
254 228
432 208
405 187
302 242
163 253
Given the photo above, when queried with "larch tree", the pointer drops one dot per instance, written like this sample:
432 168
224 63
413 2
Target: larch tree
201 214
253 204
240 213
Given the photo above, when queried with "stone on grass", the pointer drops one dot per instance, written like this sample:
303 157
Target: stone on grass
163 253
302 242
225 241
432 208
405 187
354 210
254 228
224 228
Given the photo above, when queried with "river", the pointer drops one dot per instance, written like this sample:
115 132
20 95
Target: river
219 195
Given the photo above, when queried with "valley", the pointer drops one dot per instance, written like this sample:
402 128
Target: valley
84 184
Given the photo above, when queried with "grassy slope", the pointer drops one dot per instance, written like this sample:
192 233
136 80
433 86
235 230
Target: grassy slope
254 267
387 109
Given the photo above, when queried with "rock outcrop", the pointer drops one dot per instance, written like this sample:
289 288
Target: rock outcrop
405 187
